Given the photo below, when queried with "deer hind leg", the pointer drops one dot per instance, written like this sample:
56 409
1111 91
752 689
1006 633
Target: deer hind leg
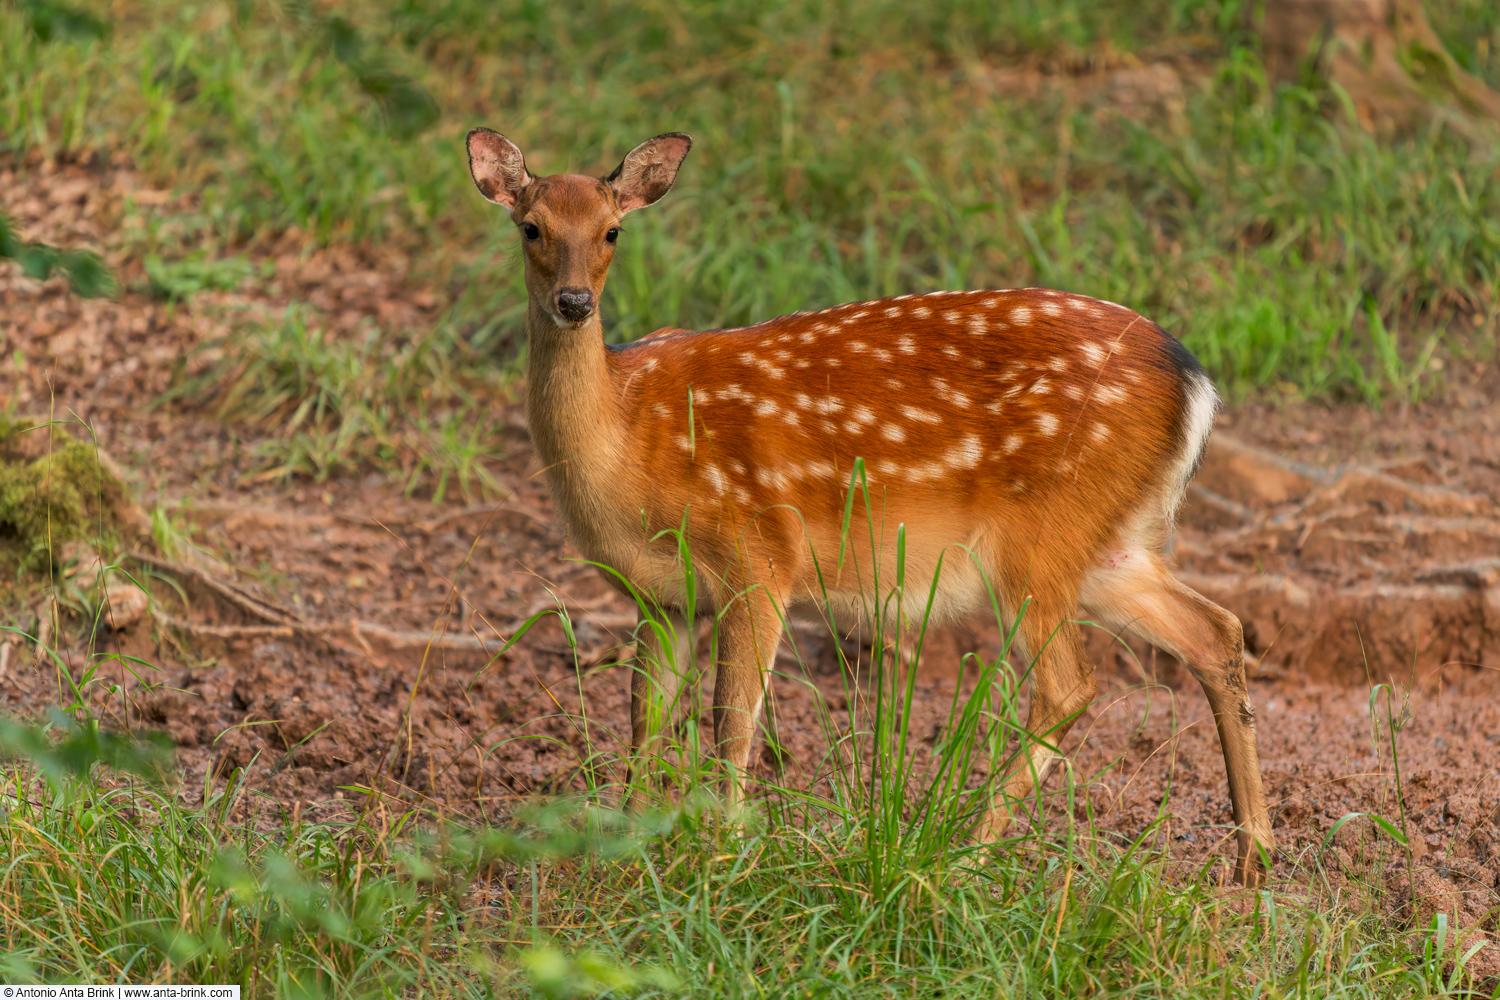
663 661
1062 687
1133 591
749 632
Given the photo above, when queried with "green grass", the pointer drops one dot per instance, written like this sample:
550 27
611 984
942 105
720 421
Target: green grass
842 151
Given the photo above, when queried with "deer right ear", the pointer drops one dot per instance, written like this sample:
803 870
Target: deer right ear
497 166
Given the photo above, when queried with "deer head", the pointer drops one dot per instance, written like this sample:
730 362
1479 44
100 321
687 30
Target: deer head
569 222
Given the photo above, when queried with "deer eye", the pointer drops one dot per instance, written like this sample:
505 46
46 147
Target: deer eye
611 234
531 231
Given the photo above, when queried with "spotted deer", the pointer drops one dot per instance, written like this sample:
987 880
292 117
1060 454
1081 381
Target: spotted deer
1042 439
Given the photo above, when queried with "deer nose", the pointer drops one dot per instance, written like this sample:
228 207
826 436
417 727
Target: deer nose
575 303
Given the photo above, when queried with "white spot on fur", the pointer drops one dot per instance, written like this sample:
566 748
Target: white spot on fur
820 469
1072 391
1021 314
991 302
771 477
1016 486
892 312
921 312
832 362
1093 353
804 363
1100 432
1058 364
765 408
660 410
966 454
906 345
892 432
715 478
952 351
829 404
925 416
1046 424
858 346
803 400
1109 394
1013 444
978 326
807 338
1051 308
863 414
882 355
950 395
681 441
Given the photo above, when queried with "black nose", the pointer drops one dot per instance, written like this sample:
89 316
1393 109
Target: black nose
575 303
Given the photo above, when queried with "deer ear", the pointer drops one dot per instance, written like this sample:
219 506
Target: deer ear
648 170
497 166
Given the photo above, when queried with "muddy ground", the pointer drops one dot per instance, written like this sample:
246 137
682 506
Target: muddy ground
1359 545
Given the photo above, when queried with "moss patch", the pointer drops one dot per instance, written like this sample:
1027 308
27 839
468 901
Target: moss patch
69 494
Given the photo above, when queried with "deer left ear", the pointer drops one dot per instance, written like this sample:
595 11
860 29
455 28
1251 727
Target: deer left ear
648 170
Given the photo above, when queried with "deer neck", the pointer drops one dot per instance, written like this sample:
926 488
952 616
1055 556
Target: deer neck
573 413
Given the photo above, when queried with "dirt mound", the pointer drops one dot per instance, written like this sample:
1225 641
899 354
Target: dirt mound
1347 573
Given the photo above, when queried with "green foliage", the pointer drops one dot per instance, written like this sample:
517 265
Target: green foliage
335 403
842 152
52 21
181 279
87 275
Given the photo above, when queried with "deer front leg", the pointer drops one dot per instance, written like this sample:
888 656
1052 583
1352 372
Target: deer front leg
663 662
749 632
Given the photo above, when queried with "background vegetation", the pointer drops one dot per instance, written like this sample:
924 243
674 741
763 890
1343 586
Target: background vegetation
842 151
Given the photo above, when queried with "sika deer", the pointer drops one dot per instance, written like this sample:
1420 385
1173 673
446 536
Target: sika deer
1051 434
